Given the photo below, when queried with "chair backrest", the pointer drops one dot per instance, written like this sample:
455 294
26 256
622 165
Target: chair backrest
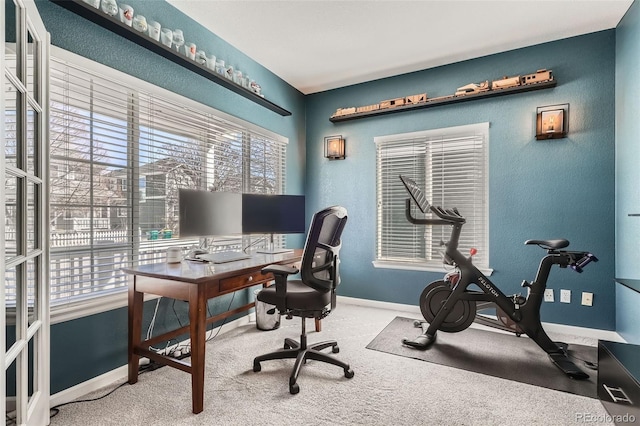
320 259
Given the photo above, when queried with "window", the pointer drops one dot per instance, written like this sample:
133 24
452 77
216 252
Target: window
451 166
108 129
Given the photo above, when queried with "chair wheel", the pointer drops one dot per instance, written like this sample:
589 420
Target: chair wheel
335 349
348 373
256 367
417 323
294 389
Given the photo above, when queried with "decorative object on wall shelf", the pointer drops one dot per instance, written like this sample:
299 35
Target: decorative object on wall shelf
334 147
88 10
541 79
552 122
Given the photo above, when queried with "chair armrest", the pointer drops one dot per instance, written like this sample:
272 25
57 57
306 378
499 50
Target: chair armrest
280 270
281 273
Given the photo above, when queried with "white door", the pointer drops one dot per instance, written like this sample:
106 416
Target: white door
24 242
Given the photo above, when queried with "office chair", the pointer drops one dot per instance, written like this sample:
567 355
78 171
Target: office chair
313 296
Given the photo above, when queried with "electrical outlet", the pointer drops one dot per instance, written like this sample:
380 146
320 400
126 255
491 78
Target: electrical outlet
587 298
548 295
565 296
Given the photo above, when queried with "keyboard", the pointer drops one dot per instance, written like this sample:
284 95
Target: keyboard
224 256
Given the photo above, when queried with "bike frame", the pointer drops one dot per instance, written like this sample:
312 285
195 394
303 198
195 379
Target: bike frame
527 314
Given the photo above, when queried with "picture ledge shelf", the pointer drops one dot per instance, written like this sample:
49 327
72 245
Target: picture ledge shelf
114 25
447 101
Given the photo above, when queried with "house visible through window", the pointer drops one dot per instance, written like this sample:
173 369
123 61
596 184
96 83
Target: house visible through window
106 134
451 165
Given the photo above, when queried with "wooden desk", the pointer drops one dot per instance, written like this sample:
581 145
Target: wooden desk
195 283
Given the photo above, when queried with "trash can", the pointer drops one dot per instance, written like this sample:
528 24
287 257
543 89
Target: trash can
267 316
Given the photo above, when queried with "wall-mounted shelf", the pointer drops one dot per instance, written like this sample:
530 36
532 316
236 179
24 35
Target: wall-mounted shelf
447 101
97 16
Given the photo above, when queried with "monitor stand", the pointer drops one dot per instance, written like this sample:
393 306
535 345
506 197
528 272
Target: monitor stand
272 250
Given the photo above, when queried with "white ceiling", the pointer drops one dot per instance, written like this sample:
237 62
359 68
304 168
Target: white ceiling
319 45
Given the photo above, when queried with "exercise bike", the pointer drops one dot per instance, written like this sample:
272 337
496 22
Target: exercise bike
450 305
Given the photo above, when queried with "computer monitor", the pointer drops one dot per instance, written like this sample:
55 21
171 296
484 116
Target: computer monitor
207 214
273 214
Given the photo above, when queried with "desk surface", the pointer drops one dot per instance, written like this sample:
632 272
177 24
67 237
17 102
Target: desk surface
200 272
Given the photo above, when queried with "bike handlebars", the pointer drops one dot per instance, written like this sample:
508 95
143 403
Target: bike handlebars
438 211
450 215
584 261
447 216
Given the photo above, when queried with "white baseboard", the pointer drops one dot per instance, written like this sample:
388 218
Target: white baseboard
382 305
590 333
121 373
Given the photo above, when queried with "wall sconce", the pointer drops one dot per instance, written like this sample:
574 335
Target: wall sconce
334 147
552 122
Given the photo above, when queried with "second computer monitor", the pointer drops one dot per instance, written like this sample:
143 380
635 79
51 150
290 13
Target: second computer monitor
273 214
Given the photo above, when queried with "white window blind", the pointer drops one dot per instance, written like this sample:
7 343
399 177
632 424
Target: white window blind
119 154
451 167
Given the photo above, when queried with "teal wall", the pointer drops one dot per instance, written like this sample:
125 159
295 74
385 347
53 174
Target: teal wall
90 346
561 188
627 171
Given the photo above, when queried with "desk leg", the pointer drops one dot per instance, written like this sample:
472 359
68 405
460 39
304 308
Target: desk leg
135 329
198 329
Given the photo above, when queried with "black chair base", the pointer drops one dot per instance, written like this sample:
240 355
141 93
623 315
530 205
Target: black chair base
293 349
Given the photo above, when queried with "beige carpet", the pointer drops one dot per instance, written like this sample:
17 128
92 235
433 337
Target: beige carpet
386 389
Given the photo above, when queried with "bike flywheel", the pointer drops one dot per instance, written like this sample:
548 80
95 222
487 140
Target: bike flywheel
432 300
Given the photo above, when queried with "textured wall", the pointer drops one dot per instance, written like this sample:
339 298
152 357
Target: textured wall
538 189
627 171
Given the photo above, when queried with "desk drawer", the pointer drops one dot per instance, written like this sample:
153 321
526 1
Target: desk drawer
245 280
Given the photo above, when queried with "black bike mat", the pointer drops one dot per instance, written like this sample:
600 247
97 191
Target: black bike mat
493 353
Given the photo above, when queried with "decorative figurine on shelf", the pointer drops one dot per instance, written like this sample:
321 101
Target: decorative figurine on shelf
109 7
255 87
472 88
178 39
201 57
140 23
229 72
126 13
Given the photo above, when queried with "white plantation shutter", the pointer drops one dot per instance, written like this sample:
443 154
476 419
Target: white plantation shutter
120 150
450 165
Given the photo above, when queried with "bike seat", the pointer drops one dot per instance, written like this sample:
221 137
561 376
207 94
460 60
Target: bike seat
549 244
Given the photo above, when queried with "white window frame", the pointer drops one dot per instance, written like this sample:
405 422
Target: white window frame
403 144
118 299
